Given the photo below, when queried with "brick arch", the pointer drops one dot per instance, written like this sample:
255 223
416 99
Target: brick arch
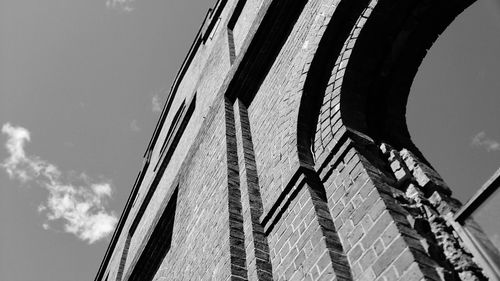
352 106
316 86
383 63
362 71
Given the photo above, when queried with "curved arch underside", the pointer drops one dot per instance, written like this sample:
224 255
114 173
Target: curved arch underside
384 62
364 66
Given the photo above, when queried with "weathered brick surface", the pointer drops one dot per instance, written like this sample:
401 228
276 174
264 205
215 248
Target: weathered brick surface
275 106
304 244
209 255
282 172
244 22
268 111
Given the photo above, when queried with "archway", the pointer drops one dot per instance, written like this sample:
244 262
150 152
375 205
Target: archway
362 103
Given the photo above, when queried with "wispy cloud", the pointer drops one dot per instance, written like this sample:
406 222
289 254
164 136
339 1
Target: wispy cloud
481 140
134 126
76 201
156 103
121 5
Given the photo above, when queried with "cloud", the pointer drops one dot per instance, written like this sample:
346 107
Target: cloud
76 201
122 5
156 102
484 141
134 126
18 165
81 208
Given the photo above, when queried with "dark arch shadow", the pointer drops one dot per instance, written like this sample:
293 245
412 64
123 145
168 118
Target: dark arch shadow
384 62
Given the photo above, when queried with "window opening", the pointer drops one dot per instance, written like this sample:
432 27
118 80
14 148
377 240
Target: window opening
169 148
158 244
175 132
173 125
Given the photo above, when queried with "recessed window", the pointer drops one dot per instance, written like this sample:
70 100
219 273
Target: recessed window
173 126
157 245
177 127
174 134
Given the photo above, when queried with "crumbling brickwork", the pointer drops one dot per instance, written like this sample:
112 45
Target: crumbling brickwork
282 153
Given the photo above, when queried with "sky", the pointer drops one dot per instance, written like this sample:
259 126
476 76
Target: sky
453 112
81 87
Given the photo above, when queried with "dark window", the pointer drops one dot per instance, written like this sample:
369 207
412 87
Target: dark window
158 245
173 125
179 123
174 134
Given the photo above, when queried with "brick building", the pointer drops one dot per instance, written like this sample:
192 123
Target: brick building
282 153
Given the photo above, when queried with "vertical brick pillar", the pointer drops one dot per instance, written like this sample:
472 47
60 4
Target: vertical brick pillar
236 232
257 248
374 230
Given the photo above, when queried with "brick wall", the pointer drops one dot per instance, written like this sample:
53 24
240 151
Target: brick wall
292 166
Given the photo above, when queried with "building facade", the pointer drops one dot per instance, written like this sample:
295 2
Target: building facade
282 153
